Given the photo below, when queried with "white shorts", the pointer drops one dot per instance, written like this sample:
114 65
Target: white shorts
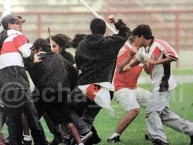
130 99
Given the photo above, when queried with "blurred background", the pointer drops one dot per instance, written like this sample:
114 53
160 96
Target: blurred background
171 20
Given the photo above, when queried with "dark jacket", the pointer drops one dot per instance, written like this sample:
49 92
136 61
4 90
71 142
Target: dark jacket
68 56
96 55
52 72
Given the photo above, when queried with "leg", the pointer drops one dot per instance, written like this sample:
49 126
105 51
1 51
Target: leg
74 132
14 123
174 121
34 124
127 99
2 140
54 129
26 133
157 103
2 117
143 96
126 120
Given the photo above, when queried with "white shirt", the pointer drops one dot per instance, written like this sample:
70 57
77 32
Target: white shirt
161 74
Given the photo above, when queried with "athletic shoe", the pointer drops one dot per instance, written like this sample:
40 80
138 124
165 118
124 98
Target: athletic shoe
114 139
191 140
86 136
27 140
159 142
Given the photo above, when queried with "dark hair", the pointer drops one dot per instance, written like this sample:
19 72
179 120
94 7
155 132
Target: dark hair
62 40
77 39
3 36
42 44
144 30
98 26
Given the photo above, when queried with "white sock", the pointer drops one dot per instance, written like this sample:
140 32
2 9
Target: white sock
27 138
80 144
115 134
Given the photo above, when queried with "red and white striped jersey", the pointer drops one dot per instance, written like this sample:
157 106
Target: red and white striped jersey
161 74
14 49
129 78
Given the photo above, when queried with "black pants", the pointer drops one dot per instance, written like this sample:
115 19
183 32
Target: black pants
15 124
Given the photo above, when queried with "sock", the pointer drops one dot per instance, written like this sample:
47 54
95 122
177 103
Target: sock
80 144
27 138
115 134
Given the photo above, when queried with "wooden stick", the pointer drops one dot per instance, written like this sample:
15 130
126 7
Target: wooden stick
50 38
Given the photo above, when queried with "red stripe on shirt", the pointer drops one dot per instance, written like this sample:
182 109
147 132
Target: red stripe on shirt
155 56
13 46
166 47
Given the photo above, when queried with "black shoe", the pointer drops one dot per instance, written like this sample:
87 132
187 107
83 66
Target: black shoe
56 141
191 140
159 142
146 137
114 139
94 139
27 142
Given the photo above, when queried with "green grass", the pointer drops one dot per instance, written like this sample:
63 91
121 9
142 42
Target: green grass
176 72
182 71
181 103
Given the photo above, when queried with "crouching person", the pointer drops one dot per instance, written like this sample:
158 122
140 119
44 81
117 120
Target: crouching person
50 75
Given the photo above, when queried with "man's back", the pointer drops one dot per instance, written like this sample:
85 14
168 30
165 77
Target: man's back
51 72
96 55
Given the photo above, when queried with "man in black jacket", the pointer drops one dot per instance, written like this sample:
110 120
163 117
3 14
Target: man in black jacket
50 74
96 59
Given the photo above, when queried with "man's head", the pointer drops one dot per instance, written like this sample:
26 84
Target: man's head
98 26
41 44
142 34
11 22
142 30
77 39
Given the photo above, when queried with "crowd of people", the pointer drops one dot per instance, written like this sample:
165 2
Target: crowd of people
69 90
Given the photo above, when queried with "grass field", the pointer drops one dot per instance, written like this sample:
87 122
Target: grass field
181 103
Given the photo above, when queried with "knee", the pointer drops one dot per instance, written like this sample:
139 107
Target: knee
135 111
70 125
150 114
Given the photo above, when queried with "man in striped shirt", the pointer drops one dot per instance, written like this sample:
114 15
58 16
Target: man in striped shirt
158 55
14 84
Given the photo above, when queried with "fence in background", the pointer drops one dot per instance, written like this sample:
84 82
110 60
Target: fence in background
174 26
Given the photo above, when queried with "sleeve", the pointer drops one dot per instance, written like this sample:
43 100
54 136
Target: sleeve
140 56
120 38
167 50
23 46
